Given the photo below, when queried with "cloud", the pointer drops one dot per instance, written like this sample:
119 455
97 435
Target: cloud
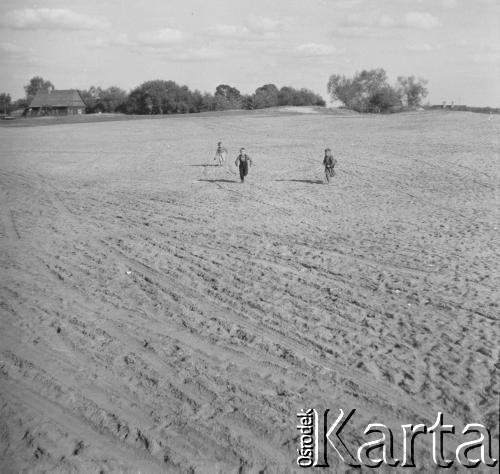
487 53
13 53
264 23
53 19
490 57
420 47
386 21
315 49
229 31
361 26
120 39
163 37
195 54
421 20
449 3
343 4
257 28
11 48
267 25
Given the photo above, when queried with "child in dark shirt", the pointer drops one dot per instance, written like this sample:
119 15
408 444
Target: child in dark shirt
329 163
243 161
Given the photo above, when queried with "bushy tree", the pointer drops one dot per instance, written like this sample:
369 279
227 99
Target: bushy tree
383 100
112 99
35 85
20 104
91 98
367 91
266 96
286 96
247 102
412 90
5 101
344 90
290 96
227 97
207 103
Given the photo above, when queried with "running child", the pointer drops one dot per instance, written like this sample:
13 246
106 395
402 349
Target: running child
329 163
220 153
243 161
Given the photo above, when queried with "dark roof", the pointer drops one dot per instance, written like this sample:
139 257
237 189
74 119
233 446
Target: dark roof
67 98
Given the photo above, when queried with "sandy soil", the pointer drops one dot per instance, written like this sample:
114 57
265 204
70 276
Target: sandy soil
159 316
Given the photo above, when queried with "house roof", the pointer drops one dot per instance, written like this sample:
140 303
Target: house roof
62 98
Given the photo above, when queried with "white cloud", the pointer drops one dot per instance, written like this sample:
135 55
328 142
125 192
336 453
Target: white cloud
264 23
230 31
121 39
449 3
54 19
257 28
420 47
357 25
163 37
380 26
358 22
421 20
202 53
362 32
487 53
315 49
343 4
13 53
487 57
11 48
386 21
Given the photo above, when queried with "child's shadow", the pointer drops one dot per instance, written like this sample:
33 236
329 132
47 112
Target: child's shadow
307 181
218 180
206 165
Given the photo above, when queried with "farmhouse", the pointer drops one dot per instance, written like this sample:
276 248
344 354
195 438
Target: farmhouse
62 102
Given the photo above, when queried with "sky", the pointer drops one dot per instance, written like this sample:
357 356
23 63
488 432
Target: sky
453 44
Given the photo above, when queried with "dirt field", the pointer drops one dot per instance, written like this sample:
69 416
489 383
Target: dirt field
159 316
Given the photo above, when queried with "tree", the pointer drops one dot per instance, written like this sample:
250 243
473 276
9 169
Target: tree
266 96
35 85
356 93
112 99
367 91
5 101
247 102
228 92
412 90
286 96
227 97
207 103
91 98
20 104
383 100
290 96
344 90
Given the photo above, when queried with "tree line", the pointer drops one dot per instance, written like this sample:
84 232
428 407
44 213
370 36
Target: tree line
168 97
367 91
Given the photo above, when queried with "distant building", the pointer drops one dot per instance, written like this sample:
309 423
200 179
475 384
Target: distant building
64 102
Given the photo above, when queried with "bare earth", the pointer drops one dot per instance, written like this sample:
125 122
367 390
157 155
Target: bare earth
159 316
